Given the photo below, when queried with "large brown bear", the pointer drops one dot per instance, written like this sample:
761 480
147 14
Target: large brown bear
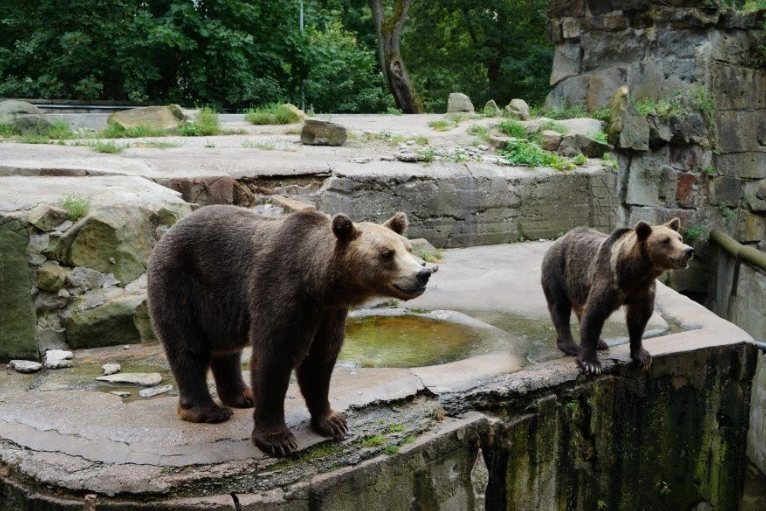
224 276
595 274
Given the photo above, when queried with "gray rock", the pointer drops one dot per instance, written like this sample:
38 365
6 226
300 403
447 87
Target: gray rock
518 109
19 320
550 140
51 277
51 338
628 129
84 279
110 369
165 117
115 322
499 141
316 132
120 393
25 117
58 359
110 239
155 391
459 103
491 108
573 145
46 217
26 366
139 379
137 285
45 301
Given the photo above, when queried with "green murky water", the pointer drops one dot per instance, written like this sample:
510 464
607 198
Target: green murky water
406 341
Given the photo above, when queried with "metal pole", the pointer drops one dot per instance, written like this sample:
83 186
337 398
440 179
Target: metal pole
303 92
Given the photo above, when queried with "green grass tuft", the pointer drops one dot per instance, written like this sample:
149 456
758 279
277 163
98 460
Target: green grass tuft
522 152
76 206
513 129
272 114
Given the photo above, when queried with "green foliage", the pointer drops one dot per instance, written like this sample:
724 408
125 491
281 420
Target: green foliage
441 125
694 232
480 131
107 147
373 441
522 152
8 131
141 131
159 145
60 130
396 428
580 160
272 114
493 49
710 171
664 488
426 155
599 136
76 206
609 161
263 146
513 129
568 112
554 126
391 450
32 139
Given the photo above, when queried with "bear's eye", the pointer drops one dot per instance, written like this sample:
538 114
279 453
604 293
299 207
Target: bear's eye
387 254
666 241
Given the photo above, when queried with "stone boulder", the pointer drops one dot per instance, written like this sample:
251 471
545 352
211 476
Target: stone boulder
297 111
491 108
628 129
110 239
316 132
18 320
25 117
574 145
550 140
162 117
116 322
46 217
51 277
518 109
459 104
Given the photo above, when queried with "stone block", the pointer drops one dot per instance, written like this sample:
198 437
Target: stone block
737 131
630 5
601 87
316 132
608 49
688 129
110 324
23 116
676 44
553 31
687 190
755 195
645 179
597 7
46 217
568 92
690 158
690 280
567 61
110 239
654 79
51 276
730 46
18 319
750 165
517 109
609 22
628 129
162 117
491 108
550 140
726 190
571 28
566 8
211 190
751 227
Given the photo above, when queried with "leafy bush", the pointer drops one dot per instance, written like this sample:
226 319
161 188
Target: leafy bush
522 152
513 129
272 114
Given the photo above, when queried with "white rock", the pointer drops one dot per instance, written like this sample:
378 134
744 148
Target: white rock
110 369
141 379
26 366
154 391
58 359
120 393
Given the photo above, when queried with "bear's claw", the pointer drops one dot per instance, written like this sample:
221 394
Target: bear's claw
281 443
642 359
589 366
334 425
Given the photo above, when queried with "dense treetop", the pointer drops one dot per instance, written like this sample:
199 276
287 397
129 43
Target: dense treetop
237 54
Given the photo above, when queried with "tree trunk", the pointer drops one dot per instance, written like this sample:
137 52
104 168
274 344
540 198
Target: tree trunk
389 32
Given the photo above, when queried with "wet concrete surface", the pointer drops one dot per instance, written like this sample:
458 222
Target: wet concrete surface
62 429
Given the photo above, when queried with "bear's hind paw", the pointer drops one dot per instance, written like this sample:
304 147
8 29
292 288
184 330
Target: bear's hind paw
242 399
642 359
333 424
211 413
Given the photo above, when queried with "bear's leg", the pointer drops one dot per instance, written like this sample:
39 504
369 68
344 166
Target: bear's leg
270 373
602 345
314 376
560 309
195 403
597 309
227 371
637 315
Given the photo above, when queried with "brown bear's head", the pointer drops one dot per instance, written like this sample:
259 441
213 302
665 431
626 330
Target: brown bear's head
664 245
379 258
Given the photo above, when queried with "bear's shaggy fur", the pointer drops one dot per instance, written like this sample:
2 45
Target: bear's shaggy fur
595 274
224 277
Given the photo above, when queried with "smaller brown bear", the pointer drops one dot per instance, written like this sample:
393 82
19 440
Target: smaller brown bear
595 274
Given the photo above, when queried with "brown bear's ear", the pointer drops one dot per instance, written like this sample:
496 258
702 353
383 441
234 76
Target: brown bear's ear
344 228
397 223
674 224
642 230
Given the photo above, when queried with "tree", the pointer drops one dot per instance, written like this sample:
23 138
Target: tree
389 31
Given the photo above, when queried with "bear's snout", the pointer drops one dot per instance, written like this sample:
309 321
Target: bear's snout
689 252
423 276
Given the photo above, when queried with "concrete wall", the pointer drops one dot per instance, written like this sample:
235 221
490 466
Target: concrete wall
738 293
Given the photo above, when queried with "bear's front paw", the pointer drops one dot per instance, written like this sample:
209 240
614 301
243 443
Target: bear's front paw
210 412
332 424
568 346
588 364
279 443
642 359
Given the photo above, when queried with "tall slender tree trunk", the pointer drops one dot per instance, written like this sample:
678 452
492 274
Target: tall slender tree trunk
389 32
